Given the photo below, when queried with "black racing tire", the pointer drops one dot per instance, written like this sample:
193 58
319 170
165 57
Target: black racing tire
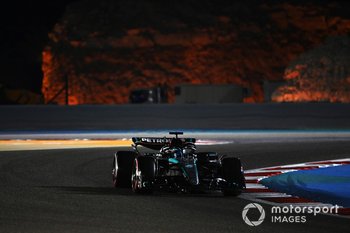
122 168
232 173
143 174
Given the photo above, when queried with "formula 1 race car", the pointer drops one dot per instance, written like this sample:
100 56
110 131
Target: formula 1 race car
176 167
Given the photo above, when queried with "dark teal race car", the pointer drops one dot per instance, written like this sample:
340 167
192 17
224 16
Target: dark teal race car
176 166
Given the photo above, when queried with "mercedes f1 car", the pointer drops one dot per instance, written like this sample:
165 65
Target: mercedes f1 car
176 166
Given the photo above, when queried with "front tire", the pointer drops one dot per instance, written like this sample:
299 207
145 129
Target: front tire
232 173
143 174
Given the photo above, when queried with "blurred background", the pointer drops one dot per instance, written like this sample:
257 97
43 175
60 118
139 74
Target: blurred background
184 51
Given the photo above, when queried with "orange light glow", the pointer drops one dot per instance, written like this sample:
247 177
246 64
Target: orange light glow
103 63
8 145
47 62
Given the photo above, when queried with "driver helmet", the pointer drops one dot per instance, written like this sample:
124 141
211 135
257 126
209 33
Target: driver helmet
176 142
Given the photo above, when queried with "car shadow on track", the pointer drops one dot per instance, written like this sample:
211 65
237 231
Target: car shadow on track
123 192
89 190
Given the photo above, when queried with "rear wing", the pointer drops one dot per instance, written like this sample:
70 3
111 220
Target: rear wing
157 143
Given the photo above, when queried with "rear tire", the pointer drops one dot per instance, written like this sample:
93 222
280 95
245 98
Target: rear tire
122 168
143 174
232 173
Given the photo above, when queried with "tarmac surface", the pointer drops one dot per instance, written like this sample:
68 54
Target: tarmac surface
70 190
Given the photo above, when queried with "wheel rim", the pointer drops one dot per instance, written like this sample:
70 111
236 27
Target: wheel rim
115 173
136 177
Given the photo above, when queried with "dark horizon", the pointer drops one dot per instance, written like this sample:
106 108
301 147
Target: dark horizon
25 27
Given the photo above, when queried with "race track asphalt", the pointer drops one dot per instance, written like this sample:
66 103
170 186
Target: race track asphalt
70 191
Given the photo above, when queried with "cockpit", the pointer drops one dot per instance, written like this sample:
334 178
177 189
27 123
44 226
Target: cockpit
177 149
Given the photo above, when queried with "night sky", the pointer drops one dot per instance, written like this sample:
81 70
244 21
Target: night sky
24 33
